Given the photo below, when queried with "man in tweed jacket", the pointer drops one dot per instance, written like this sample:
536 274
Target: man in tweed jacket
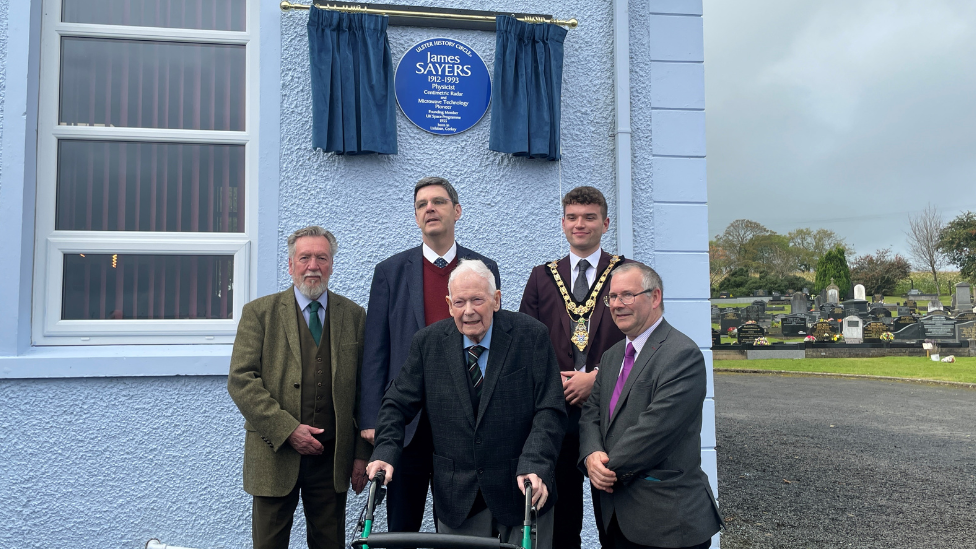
489 382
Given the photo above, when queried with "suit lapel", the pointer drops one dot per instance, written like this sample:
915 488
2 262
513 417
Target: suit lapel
501 341
336 312
287 312
651 346
564 268
454 358
415 284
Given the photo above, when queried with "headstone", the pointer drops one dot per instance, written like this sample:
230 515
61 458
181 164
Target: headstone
794 325
836 313
879 312
964 298
723 295
966 331
904 311
749 332
911 332
853 330
912 304
965 317
832 292
806 291
934 306
873 331
818 302
914 291
856 306
716 338
760 305
878 298
715 313
938 327
901 322
730 319
823 331
859 291
798 304
777 294
759 293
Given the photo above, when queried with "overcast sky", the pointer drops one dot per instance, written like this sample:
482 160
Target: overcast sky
842 114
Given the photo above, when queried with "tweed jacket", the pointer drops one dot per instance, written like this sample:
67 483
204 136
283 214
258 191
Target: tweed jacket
518 429
662 496
265 383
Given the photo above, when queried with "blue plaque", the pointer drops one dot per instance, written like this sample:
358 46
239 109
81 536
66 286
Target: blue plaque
443 86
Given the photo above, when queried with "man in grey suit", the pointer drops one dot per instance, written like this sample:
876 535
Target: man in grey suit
489 382
640 431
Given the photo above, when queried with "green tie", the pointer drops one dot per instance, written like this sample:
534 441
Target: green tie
314 322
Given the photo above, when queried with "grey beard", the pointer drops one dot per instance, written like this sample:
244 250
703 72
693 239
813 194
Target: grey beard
310 292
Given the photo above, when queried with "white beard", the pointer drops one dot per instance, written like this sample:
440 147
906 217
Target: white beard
311 292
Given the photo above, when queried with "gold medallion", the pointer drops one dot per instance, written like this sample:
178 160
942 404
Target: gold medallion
581 336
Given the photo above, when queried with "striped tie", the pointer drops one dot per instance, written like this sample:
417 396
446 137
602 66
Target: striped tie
474 371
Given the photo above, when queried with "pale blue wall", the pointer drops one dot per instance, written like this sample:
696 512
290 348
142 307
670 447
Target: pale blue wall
111 461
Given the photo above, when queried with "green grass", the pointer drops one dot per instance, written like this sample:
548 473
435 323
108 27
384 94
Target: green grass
962 370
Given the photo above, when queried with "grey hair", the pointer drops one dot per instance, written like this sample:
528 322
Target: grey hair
428 181
650 280
311 230
475 266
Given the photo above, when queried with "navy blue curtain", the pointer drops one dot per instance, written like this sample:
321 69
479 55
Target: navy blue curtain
353 102
527 88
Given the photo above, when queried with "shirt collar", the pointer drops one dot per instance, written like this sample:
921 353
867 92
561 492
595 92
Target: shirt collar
593 258
485 341
640 340
431 255
304 301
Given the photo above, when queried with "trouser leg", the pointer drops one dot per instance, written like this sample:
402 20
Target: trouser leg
406 494
271 520
325 510
568 511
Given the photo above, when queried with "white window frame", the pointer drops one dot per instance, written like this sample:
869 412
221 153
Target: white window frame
50 246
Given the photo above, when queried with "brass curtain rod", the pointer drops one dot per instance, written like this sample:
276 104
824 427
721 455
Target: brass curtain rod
287 6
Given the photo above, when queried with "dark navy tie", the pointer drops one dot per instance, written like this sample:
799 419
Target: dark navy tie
440 262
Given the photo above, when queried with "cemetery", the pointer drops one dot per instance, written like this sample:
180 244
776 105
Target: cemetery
799 325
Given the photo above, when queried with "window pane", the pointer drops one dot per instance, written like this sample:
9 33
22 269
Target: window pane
181 14
132 286
142 84
156 187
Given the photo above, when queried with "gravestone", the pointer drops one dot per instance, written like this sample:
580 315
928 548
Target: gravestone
912 304
716 338
904 311
834 313
938 327
878 298
730 319
966 331
824 331
873 331
964 298
880 312
911 332
798 304
723 295
853 330
715 313
859 291
777 295
806 291
935 306
832 292
749 332
965 317
856 306
818 302
901 322
759 293
794 325
760 306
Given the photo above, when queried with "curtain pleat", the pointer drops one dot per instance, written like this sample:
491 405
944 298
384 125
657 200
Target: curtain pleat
353 102
525 107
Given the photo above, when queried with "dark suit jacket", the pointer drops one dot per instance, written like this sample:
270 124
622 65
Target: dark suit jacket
265 383
394 315
518 430
655 432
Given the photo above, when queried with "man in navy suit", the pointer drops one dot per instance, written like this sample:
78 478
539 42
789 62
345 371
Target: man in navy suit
408 293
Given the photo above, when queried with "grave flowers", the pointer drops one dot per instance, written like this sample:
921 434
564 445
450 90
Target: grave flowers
761 342
887 337
810 339
949 358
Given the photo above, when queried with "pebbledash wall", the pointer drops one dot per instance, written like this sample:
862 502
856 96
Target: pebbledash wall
111 446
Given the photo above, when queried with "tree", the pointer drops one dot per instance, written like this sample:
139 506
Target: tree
719 263
880 273
769 253
833 266
923 242
957 240
736 235
810 245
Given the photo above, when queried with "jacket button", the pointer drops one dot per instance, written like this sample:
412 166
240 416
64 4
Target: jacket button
481 472
318 359
319 384
297 385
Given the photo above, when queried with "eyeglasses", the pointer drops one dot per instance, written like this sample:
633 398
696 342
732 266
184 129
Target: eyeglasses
625 298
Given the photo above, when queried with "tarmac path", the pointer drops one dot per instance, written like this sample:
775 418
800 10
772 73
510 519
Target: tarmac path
820 462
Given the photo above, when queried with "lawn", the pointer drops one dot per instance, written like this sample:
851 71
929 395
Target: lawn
962 370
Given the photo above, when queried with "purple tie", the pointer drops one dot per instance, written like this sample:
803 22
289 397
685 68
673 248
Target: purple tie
622 378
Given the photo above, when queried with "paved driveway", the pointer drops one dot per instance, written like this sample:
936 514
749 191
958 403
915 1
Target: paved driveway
826 462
